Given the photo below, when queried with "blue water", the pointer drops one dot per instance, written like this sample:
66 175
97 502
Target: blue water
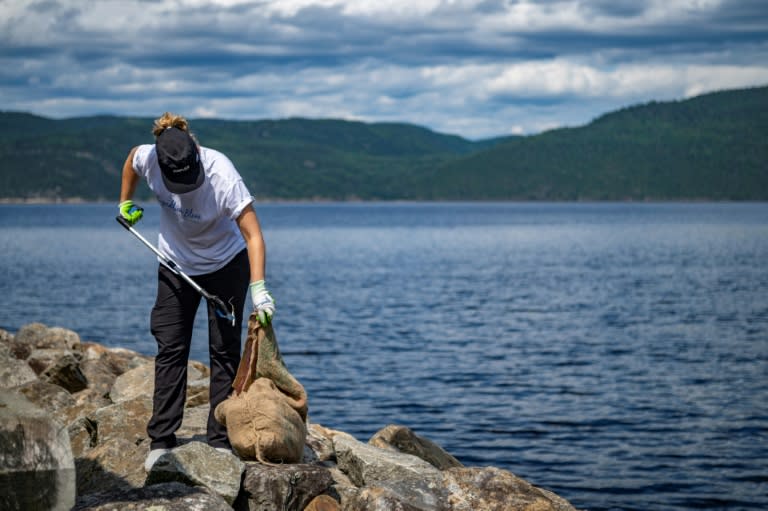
616 354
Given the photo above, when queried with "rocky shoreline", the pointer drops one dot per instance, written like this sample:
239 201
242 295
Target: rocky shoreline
73 418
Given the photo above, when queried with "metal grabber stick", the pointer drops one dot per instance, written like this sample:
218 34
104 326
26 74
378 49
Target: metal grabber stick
219 306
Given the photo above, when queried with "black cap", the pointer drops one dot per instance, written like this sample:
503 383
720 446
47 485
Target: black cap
179 161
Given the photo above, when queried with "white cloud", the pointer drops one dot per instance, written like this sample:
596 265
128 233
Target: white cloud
473 67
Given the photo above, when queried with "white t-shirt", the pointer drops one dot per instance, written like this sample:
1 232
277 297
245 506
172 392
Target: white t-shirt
198 229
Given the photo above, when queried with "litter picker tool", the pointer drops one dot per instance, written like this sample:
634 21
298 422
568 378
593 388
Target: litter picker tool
219 306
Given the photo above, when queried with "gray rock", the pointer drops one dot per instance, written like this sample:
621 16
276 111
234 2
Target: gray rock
117 360
82 436
51 398
406 478
58 366
116 464
284 487
198 464
367 465
127 420
140 381
15 372
403 439
37 335
493 489
98 374
319 448
66 372
159 497
198 393
378 499
86 403
37 470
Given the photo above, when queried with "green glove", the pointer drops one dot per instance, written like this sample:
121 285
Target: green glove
131 212
263 303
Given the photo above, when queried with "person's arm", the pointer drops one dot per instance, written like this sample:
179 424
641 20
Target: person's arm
128 210
130 178
263 303
249 226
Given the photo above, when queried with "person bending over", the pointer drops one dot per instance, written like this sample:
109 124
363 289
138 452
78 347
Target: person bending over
209 228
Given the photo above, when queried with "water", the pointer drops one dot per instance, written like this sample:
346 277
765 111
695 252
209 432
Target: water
616 354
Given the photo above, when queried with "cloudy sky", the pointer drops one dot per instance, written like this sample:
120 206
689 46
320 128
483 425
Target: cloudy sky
477 68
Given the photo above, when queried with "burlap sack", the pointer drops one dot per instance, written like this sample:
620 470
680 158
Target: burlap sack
266 414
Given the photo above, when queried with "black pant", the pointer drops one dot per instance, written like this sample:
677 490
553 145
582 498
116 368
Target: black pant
172 318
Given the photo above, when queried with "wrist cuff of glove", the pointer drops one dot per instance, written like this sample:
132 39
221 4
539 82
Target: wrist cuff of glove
257 286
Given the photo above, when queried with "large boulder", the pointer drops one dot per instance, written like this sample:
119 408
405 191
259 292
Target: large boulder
37 470
283 487
58 366
116 464
198 464
14 372
140 381
493 489
403 439
403 477
52 398
127 420
39 336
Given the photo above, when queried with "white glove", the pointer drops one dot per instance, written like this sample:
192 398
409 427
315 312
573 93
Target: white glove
263 303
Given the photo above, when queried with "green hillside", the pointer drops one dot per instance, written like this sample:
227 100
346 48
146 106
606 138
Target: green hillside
712 147
288 159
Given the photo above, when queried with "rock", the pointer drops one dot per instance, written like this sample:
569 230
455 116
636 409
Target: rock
14 372
82 436
116 464
367 465
98 374
37 335
322 503
378 499
51 398
342 485
198 464
407 478
493 489
283 487
87 401
126 420
396 470
117 360
37 470
197 393
66 373
59 367
140 381
403 439
159 497
319 446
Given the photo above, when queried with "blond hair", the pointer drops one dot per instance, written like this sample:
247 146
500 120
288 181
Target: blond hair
169 120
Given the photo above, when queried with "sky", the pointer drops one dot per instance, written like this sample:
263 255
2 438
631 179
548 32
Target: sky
475 68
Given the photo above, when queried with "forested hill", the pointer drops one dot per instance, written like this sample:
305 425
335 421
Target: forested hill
713 146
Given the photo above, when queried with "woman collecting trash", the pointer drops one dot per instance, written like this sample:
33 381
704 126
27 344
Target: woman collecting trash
209 228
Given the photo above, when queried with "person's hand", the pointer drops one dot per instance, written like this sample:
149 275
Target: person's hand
263 303
131 212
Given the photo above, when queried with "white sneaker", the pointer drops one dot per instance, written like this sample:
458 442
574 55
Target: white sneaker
152 457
